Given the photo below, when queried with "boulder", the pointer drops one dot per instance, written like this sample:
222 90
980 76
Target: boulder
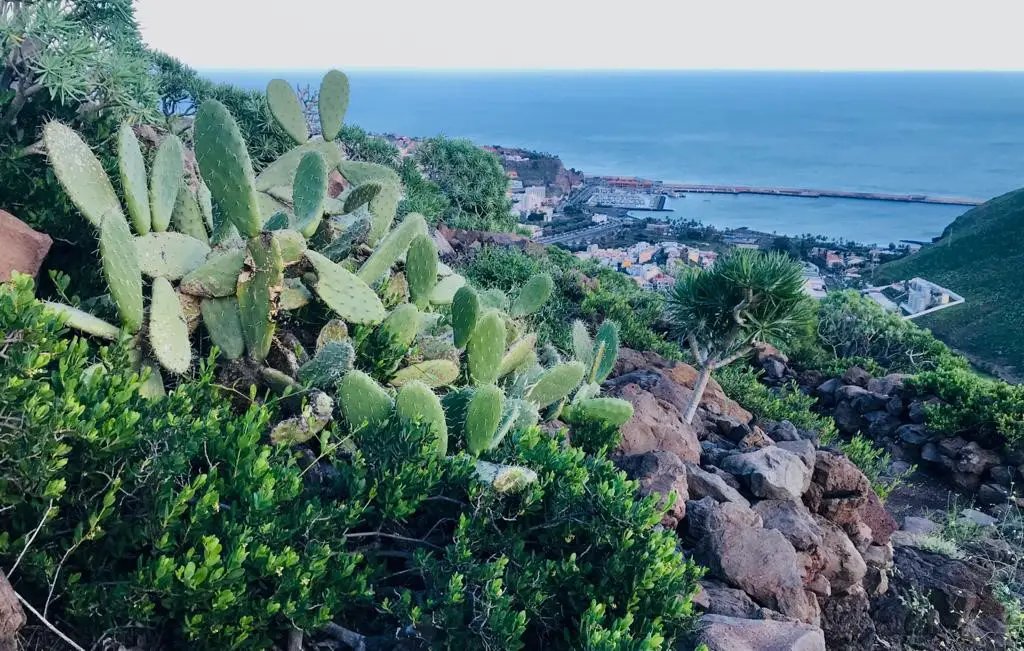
714 398
891 384
782 431
659 473
868 402
701 484
1002 475
774 369
856 376
976 460
913 435
914 524
827 389
976 518
12 616
843 565
802 448
993 494
720 599
770 473
847 419
656 425
930 453
793 521
761 562
950 447
850 392
881 425
23 248
916 412
841 493
895 406
630 360
846 620
754 440
722 633
731 428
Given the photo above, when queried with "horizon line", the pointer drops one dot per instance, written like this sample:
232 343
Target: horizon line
405 69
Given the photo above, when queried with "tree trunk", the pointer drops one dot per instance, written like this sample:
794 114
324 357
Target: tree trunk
12 617
698 392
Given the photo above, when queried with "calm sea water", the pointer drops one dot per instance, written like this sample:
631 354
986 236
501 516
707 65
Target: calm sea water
938 133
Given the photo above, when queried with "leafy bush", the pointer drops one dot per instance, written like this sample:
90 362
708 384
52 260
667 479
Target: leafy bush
874 462
741 384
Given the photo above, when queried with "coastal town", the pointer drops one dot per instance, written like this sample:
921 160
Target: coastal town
624 223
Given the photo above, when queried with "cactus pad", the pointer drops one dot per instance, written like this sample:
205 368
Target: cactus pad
277 221
187 217
465 312
518 354
330 364
287 110
121 269
613 411
391 248
416 403
504 478
257 294
217 276
170 255
482 417
282 171
362 195
333 103
166 179
205 205
132 167
333 330
556 383
80 174
486 347
280 383
432 372
363 401
168 333
582 344
223 324
606 351
294 295
226 167
444 291
357 173
84 322
533 295
494 298
383 209
344 292
292 245
421 269
309 190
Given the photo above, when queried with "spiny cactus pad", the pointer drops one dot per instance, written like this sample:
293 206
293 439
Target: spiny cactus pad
132 167
612 411
170 255
205 205
421 269
282 171
294 295
344 292
292 245
358 173
416 403
518 354
504 478
121 269
333 330
333 103
432 372
556 383
280 383
168 332
533 295
187 216
287 110
444 291
482 417
486 347
391 248
330 364
494 298
223 323
363 401
165 180
84 322
226 167
190 309
217 276
465 312
400 327
308 192
362 195
277 221
257 294
80 174
383 209
582 344
606 351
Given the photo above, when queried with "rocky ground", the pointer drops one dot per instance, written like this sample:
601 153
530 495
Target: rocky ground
801 553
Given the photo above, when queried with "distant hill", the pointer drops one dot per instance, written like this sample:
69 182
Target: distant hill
980 256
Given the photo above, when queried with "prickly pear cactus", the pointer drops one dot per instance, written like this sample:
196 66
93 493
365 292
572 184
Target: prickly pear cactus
362 195
226 167
329 365
333 330
383 209
217 276
292 245
582 344
432 372
483 415
333 103
416 403
533 295
84 322
421 269
344 292
165 180
287 111
520 353
308 193
504 478
444 291
391 248
556 383
170 255
282 171
357 173
465 312
485 348
363 402
80 174
257 294
121 269
612 411
494 298
132 167
168 333
187 216
606 351
224 325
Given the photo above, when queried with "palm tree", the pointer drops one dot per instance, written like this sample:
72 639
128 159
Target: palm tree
745 298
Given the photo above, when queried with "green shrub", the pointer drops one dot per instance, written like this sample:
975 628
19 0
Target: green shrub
874 462
741 384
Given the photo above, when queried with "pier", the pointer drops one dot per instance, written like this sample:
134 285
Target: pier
807 193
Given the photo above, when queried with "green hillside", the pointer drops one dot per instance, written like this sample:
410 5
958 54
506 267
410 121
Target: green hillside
981 256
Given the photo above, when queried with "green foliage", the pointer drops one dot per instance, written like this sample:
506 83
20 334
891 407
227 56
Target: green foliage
473 181
741 384
874 462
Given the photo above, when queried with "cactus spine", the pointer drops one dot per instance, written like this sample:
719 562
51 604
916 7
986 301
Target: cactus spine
485 348
121 268
287 111
132 168
170 255
518 354
582 344
226 167
217 276
187 216
606 351
329 365
308 192
533 295
612 411
362 195
432 372
166 179
465 312
333 103
391 248
421 269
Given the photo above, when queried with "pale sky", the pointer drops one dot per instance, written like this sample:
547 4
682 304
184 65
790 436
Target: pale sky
601 34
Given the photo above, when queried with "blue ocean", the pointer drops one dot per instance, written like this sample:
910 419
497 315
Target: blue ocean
956 134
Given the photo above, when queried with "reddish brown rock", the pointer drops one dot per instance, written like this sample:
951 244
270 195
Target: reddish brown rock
12 617
841 493
714 399
23 249
656 425
663 474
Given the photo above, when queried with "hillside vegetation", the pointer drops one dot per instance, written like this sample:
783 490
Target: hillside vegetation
979 256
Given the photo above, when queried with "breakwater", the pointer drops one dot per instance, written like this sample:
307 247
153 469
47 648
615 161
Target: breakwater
683 188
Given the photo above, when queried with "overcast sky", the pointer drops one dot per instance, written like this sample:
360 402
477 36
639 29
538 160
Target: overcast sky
756 34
